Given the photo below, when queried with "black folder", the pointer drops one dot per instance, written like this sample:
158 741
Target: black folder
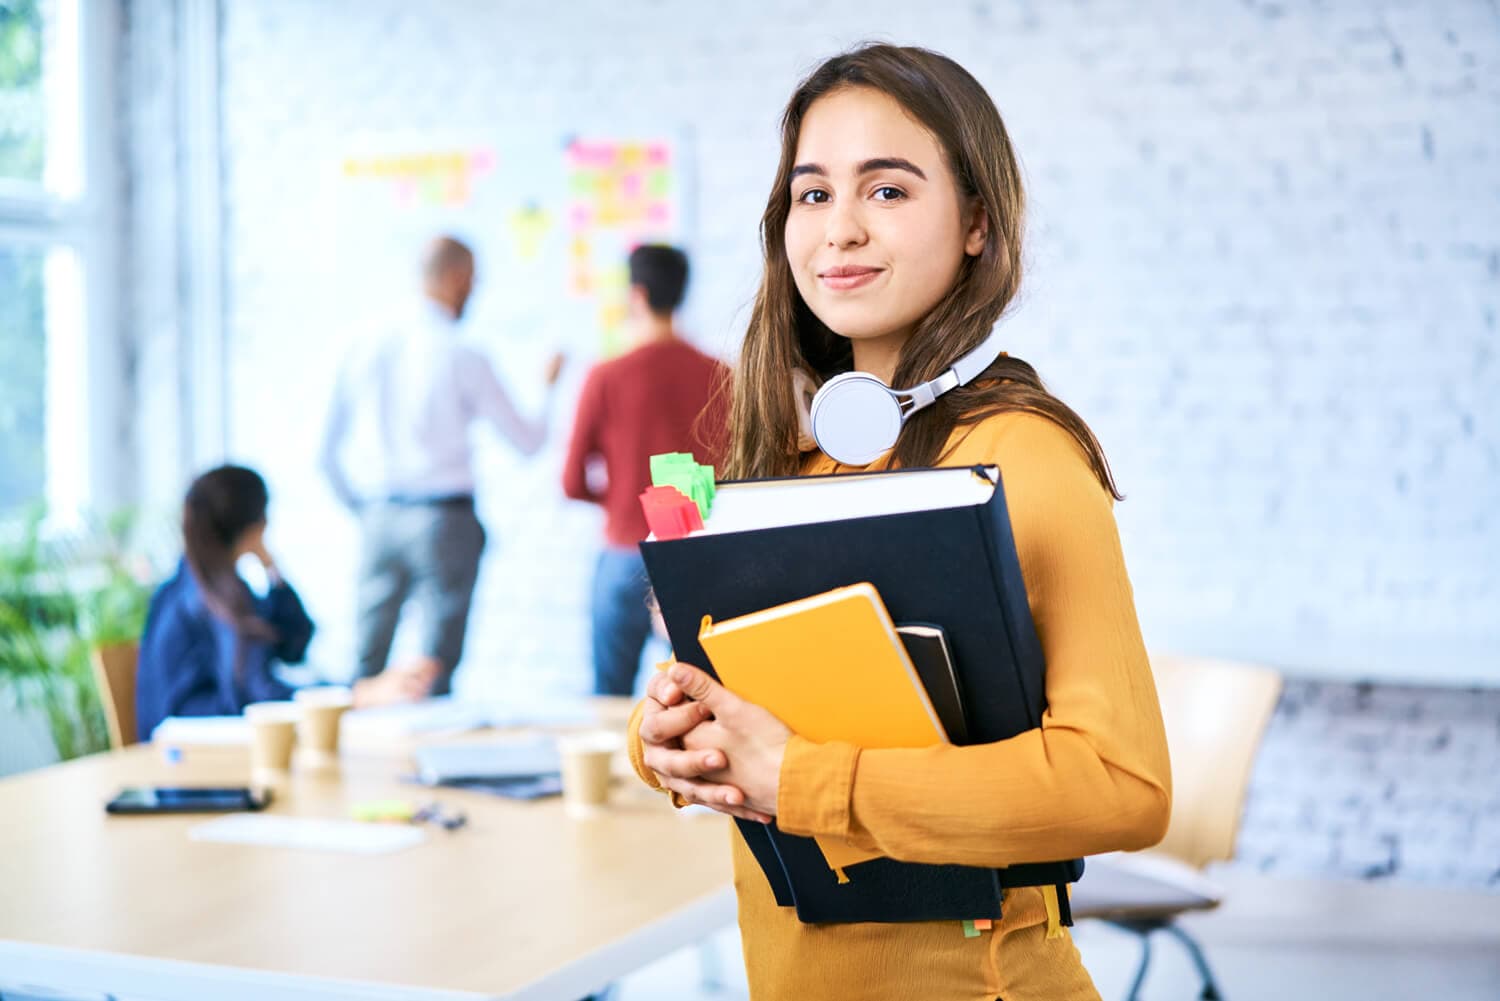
955 567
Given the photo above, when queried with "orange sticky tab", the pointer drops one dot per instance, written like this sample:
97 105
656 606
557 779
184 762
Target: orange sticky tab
983 924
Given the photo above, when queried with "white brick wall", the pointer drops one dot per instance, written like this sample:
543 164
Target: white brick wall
1378 781
1264 266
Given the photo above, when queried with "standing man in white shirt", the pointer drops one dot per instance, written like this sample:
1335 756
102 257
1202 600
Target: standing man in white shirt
420 536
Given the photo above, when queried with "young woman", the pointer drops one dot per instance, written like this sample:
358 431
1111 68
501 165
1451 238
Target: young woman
210 642
892 245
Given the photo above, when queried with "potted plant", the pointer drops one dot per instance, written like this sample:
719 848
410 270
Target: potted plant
59 599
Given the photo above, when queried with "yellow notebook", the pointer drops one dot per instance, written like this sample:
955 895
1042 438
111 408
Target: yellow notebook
831 667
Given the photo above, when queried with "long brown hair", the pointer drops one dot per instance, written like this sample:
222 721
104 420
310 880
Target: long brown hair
784 335
220 506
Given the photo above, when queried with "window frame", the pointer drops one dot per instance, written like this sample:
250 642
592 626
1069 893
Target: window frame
86 467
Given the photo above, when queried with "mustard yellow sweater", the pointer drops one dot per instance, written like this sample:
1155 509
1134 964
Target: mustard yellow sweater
1093 778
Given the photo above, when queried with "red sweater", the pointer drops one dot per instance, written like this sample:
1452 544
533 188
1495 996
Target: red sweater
653 399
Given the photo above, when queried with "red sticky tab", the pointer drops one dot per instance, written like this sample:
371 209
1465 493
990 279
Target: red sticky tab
670 514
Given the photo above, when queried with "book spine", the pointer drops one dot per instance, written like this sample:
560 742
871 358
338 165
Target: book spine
1010 593
762 845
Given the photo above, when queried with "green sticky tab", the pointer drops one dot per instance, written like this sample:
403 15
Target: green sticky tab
667 463
970 931
682 471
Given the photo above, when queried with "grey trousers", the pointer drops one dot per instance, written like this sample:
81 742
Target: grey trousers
427 552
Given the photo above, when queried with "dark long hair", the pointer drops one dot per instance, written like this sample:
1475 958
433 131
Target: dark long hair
221 505
784 335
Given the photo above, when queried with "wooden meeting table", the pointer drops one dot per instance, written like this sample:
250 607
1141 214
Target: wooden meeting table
521 903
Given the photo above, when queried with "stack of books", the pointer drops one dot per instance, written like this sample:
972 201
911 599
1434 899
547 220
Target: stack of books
883 609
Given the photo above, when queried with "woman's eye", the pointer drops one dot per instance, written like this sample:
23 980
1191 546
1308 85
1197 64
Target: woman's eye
813 196
886 193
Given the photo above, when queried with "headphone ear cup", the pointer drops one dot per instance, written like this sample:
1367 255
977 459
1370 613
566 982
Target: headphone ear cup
856 418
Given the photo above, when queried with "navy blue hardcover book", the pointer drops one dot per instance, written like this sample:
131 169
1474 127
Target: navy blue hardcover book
951 562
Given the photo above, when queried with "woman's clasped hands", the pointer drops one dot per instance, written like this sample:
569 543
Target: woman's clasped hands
711 747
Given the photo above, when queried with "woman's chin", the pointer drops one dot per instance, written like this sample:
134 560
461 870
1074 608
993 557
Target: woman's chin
862 325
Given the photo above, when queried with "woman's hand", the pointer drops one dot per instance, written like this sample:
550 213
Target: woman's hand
253 543
665 720
711 746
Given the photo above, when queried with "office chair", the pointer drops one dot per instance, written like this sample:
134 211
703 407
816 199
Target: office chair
114 673
1215 713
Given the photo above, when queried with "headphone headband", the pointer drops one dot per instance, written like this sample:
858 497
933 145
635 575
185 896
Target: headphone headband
982 357
855 417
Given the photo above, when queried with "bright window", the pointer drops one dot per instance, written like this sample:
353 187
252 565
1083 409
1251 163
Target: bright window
23 377
51 270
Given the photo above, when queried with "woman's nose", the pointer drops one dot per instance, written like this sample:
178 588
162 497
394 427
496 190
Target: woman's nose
846 226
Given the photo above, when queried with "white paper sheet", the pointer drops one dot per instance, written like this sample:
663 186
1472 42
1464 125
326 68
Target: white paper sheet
349 836
743 507
202 731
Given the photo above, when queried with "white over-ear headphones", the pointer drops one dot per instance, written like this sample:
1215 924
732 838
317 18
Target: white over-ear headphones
855 418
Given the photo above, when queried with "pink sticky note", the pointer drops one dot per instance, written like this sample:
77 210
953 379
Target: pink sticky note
669 512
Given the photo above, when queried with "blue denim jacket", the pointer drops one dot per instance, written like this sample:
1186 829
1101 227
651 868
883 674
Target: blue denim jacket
188 654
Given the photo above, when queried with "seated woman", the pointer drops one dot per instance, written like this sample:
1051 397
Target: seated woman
210 643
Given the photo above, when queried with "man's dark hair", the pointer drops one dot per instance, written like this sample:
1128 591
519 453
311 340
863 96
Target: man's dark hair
663 272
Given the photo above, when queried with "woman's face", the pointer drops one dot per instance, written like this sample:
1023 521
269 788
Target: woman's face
877 229
251 540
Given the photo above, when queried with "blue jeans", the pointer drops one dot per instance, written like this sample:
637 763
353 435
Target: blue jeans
621 620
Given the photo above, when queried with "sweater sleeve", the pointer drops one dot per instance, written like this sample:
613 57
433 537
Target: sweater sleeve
1092 778
283 610
636 749
487 398
583 444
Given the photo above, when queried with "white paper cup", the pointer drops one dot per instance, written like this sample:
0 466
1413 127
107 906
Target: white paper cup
586 759
320 708
273 735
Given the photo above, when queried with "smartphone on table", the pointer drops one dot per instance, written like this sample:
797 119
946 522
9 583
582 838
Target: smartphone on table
188 799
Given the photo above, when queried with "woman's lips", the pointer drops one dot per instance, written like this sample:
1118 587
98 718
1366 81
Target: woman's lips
848 277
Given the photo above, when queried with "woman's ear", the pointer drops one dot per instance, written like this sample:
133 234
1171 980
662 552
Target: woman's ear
979 229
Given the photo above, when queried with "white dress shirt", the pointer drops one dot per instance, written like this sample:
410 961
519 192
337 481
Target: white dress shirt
418 386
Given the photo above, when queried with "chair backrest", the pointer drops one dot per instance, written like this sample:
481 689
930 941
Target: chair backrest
1216 712
114 672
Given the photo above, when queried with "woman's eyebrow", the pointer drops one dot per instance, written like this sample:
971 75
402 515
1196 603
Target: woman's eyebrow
891 163
865 167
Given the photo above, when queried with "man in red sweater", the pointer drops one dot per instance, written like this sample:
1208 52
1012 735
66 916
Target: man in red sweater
663 395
